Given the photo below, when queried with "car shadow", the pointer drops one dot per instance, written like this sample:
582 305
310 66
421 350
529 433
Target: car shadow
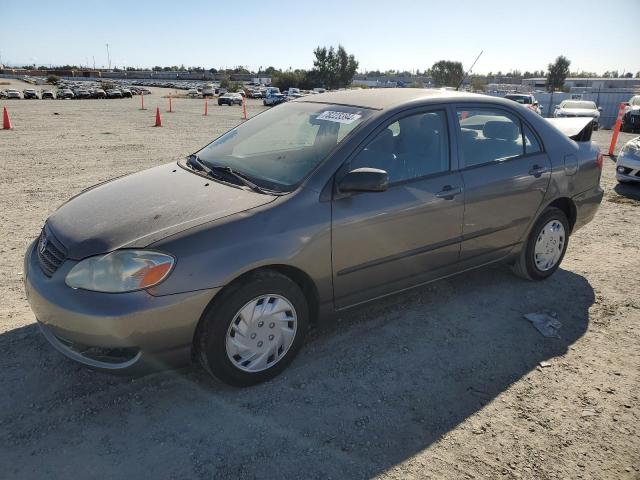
628 190
370 390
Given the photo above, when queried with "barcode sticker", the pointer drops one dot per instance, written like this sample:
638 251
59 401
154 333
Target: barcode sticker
339 117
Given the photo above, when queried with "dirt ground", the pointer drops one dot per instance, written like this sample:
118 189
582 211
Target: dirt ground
447 381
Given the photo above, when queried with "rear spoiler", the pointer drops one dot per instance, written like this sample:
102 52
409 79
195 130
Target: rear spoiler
576 128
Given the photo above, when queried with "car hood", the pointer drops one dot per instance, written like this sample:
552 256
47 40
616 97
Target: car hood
139 209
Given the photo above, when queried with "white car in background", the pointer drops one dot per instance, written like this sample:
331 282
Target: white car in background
579 108
527 100
628 162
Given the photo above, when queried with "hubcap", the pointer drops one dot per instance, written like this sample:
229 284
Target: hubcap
261 333
549 245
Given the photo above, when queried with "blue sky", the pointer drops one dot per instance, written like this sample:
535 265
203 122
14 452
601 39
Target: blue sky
594 35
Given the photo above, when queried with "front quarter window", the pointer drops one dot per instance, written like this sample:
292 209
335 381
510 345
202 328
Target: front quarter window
281 146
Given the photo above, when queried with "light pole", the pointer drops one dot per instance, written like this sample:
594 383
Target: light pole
108 56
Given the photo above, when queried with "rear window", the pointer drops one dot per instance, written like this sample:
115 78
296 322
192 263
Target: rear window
578 104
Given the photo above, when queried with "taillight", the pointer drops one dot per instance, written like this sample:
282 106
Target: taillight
600 160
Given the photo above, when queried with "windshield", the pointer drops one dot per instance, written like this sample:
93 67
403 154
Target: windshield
519 99
280 147
577 104
635 101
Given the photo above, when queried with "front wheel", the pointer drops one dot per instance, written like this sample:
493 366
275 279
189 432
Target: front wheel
546 245
254 330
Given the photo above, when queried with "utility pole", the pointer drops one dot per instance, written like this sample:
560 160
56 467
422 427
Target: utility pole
94 61
108 56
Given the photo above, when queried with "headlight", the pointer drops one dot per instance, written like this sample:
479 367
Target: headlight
121 271
559 113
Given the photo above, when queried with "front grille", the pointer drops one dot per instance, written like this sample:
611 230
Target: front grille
51 253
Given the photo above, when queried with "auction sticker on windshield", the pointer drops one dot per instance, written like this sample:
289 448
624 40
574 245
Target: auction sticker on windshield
339 117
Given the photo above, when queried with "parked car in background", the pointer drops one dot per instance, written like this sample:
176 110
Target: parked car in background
300 212
114 93
293 93
628 162
11 93
193 93
126 92
209 90
65 93
528 101
230 99
631 117
29 93
220 91
3 94
47 94
578 108
99 93
82 93
272 96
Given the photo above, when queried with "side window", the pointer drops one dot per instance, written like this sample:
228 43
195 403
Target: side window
531 144
488 135
411 147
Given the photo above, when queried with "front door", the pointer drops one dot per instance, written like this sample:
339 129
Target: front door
387 241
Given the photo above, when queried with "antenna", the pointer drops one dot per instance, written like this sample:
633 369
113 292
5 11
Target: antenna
469 71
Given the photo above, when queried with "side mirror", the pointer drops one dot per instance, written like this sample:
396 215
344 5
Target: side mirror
599 109
556 106
364 180
536 102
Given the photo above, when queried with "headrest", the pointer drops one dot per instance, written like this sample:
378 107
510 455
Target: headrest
500 130
383 142
431 122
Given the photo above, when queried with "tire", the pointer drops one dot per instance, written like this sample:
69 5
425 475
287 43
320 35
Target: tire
216 332
525 265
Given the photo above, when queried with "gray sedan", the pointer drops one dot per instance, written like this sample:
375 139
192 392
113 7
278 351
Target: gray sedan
229 256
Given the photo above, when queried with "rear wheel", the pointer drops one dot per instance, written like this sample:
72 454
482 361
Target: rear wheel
546 245
254 330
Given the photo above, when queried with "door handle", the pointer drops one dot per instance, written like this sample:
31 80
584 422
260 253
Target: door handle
448 192
537 170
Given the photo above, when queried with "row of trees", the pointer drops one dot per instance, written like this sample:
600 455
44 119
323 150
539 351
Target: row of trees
332 68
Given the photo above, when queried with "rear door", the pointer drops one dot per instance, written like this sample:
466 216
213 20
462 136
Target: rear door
505 172
386 241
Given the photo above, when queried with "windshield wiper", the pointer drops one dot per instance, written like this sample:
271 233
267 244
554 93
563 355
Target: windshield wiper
214 171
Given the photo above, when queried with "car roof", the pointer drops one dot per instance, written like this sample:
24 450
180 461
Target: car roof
383 98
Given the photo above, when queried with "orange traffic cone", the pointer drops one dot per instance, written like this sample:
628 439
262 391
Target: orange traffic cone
158 120
206 107
6 123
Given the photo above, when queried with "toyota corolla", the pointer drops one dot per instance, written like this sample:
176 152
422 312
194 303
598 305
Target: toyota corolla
230 255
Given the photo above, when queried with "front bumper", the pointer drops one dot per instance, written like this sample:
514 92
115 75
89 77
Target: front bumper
125 333
631 121
628 168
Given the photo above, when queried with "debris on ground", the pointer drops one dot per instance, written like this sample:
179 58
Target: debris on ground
546 323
